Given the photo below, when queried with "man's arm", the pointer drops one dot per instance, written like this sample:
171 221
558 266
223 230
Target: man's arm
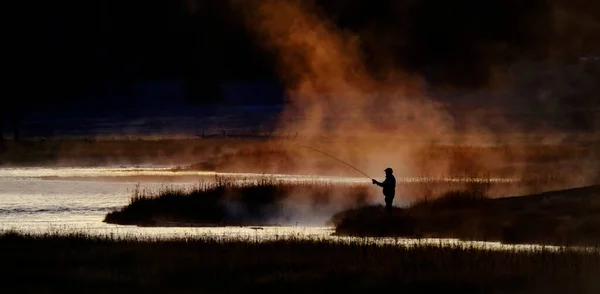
378 183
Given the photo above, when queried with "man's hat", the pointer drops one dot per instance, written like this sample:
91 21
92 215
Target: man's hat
389 169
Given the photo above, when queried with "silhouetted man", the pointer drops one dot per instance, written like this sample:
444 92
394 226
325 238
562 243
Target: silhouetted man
389 188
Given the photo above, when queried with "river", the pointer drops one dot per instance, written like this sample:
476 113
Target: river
75 200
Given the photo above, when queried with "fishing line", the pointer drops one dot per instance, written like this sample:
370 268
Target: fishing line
313 149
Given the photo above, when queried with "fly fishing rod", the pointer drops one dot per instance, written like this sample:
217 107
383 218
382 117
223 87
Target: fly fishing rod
329 155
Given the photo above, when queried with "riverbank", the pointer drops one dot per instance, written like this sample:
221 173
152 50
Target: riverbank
78 263
565 217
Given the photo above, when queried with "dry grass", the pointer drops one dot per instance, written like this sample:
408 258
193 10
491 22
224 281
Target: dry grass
226 202
78 263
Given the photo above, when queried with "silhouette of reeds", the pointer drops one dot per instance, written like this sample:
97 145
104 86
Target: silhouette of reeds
76 263
228 202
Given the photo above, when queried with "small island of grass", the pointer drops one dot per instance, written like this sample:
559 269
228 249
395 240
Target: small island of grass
229 203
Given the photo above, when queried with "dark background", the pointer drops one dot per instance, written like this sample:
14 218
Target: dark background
62 50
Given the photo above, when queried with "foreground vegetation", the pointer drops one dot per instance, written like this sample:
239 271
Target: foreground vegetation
567 217
78 263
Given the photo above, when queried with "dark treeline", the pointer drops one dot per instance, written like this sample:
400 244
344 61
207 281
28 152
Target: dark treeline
63 48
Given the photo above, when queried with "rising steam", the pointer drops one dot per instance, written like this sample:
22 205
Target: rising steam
332 98
335 103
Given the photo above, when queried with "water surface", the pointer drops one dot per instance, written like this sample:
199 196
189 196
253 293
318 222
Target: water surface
66 200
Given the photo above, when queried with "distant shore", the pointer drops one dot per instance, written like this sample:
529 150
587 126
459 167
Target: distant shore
278 154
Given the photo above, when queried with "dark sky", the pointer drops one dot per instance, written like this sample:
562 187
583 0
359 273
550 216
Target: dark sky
67 46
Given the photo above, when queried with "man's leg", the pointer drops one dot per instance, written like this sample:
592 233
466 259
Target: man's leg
388 205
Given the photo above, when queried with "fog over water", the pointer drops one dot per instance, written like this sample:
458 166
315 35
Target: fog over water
67 200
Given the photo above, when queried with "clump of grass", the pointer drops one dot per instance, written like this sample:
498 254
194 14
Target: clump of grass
567 217
227 202
99 264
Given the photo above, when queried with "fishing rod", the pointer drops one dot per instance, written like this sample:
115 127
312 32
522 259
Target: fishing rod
313 149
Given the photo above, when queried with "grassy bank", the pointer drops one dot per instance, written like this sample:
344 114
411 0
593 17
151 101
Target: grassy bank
567 217
106 151
79 263
225 202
